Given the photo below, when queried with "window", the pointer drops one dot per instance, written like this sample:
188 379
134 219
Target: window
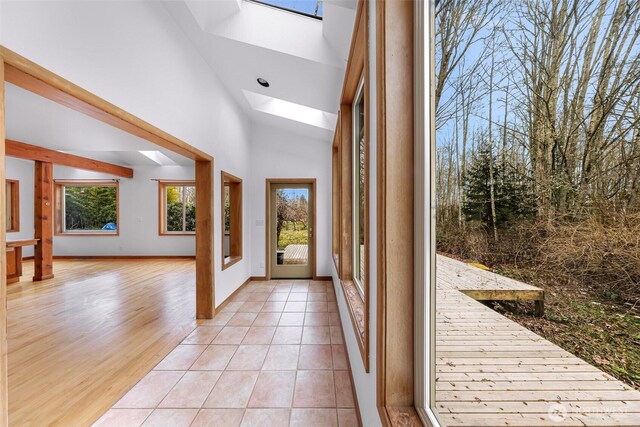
86 208
335 201
359 184
177 207
310 8
231 220
350 175
13 205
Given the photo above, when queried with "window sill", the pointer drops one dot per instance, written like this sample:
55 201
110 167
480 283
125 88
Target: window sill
189 233
229 261
401 416
89 234
357 312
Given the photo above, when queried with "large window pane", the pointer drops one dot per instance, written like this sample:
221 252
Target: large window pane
88 208
536 172
180 208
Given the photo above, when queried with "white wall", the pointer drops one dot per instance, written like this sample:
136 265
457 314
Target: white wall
280 154
134 55
22 170
138 213
365 383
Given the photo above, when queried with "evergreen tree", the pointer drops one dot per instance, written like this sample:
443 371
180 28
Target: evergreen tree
513 195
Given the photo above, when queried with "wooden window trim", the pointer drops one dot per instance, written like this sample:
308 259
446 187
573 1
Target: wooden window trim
236 214
357 71
335 201
395 213
14 227
162 207
58 206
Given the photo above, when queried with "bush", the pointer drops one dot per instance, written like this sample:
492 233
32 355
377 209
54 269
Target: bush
292 237
601 257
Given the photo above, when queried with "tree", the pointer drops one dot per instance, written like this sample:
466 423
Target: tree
512 195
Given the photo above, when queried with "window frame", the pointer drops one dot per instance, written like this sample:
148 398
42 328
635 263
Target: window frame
59 206
335 198
284 9
236 215
361 285
13 223
162 207
425 236
356 76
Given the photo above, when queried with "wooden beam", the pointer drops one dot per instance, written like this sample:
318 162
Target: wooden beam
26 151
43 221
32 77
4 389
205 297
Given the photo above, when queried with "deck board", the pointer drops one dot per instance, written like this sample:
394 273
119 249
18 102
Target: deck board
491 371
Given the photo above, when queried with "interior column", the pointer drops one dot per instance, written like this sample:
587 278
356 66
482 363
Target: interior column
205 299
43 221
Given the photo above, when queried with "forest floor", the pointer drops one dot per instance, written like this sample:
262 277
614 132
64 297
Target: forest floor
603 333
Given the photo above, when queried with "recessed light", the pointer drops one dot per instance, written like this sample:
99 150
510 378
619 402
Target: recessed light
262 82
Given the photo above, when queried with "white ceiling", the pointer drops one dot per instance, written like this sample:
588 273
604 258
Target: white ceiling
35 120
302 58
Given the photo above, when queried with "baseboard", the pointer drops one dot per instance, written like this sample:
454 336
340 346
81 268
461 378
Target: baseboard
258 278
126 257
322 278
233 294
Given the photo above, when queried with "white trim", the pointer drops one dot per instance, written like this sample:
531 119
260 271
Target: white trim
424 194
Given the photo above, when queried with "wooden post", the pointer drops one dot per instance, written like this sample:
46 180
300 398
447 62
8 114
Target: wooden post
4 390
346 226
43 221
205 297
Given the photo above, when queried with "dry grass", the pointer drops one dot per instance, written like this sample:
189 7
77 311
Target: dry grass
605 258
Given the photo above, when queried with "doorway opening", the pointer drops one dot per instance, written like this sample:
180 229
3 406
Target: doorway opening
290 210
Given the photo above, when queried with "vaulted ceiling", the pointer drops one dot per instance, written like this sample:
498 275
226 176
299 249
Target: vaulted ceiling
302 58
38 121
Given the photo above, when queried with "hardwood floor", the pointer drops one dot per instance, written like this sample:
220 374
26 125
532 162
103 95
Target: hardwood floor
78 342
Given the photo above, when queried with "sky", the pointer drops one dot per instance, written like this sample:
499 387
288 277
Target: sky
305 6
295 193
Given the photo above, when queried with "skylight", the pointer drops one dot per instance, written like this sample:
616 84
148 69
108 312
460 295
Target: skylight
158 157
310 8
291 110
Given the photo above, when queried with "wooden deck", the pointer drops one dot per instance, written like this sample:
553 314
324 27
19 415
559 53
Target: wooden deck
493 372
296 254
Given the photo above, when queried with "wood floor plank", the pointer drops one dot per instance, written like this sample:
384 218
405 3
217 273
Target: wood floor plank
79 341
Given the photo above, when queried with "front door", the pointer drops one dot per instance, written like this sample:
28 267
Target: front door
291 230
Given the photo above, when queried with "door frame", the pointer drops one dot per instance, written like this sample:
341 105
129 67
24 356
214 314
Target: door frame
28 75
267 225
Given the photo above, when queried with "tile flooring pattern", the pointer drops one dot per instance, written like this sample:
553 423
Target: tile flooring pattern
273 356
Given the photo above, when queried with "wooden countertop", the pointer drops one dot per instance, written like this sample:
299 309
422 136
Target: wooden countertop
20 243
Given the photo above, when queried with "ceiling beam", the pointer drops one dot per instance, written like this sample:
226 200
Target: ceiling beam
34 78
39 154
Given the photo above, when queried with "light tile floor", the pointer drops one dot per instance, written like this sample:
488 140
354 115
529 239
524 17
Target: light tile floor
273 356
